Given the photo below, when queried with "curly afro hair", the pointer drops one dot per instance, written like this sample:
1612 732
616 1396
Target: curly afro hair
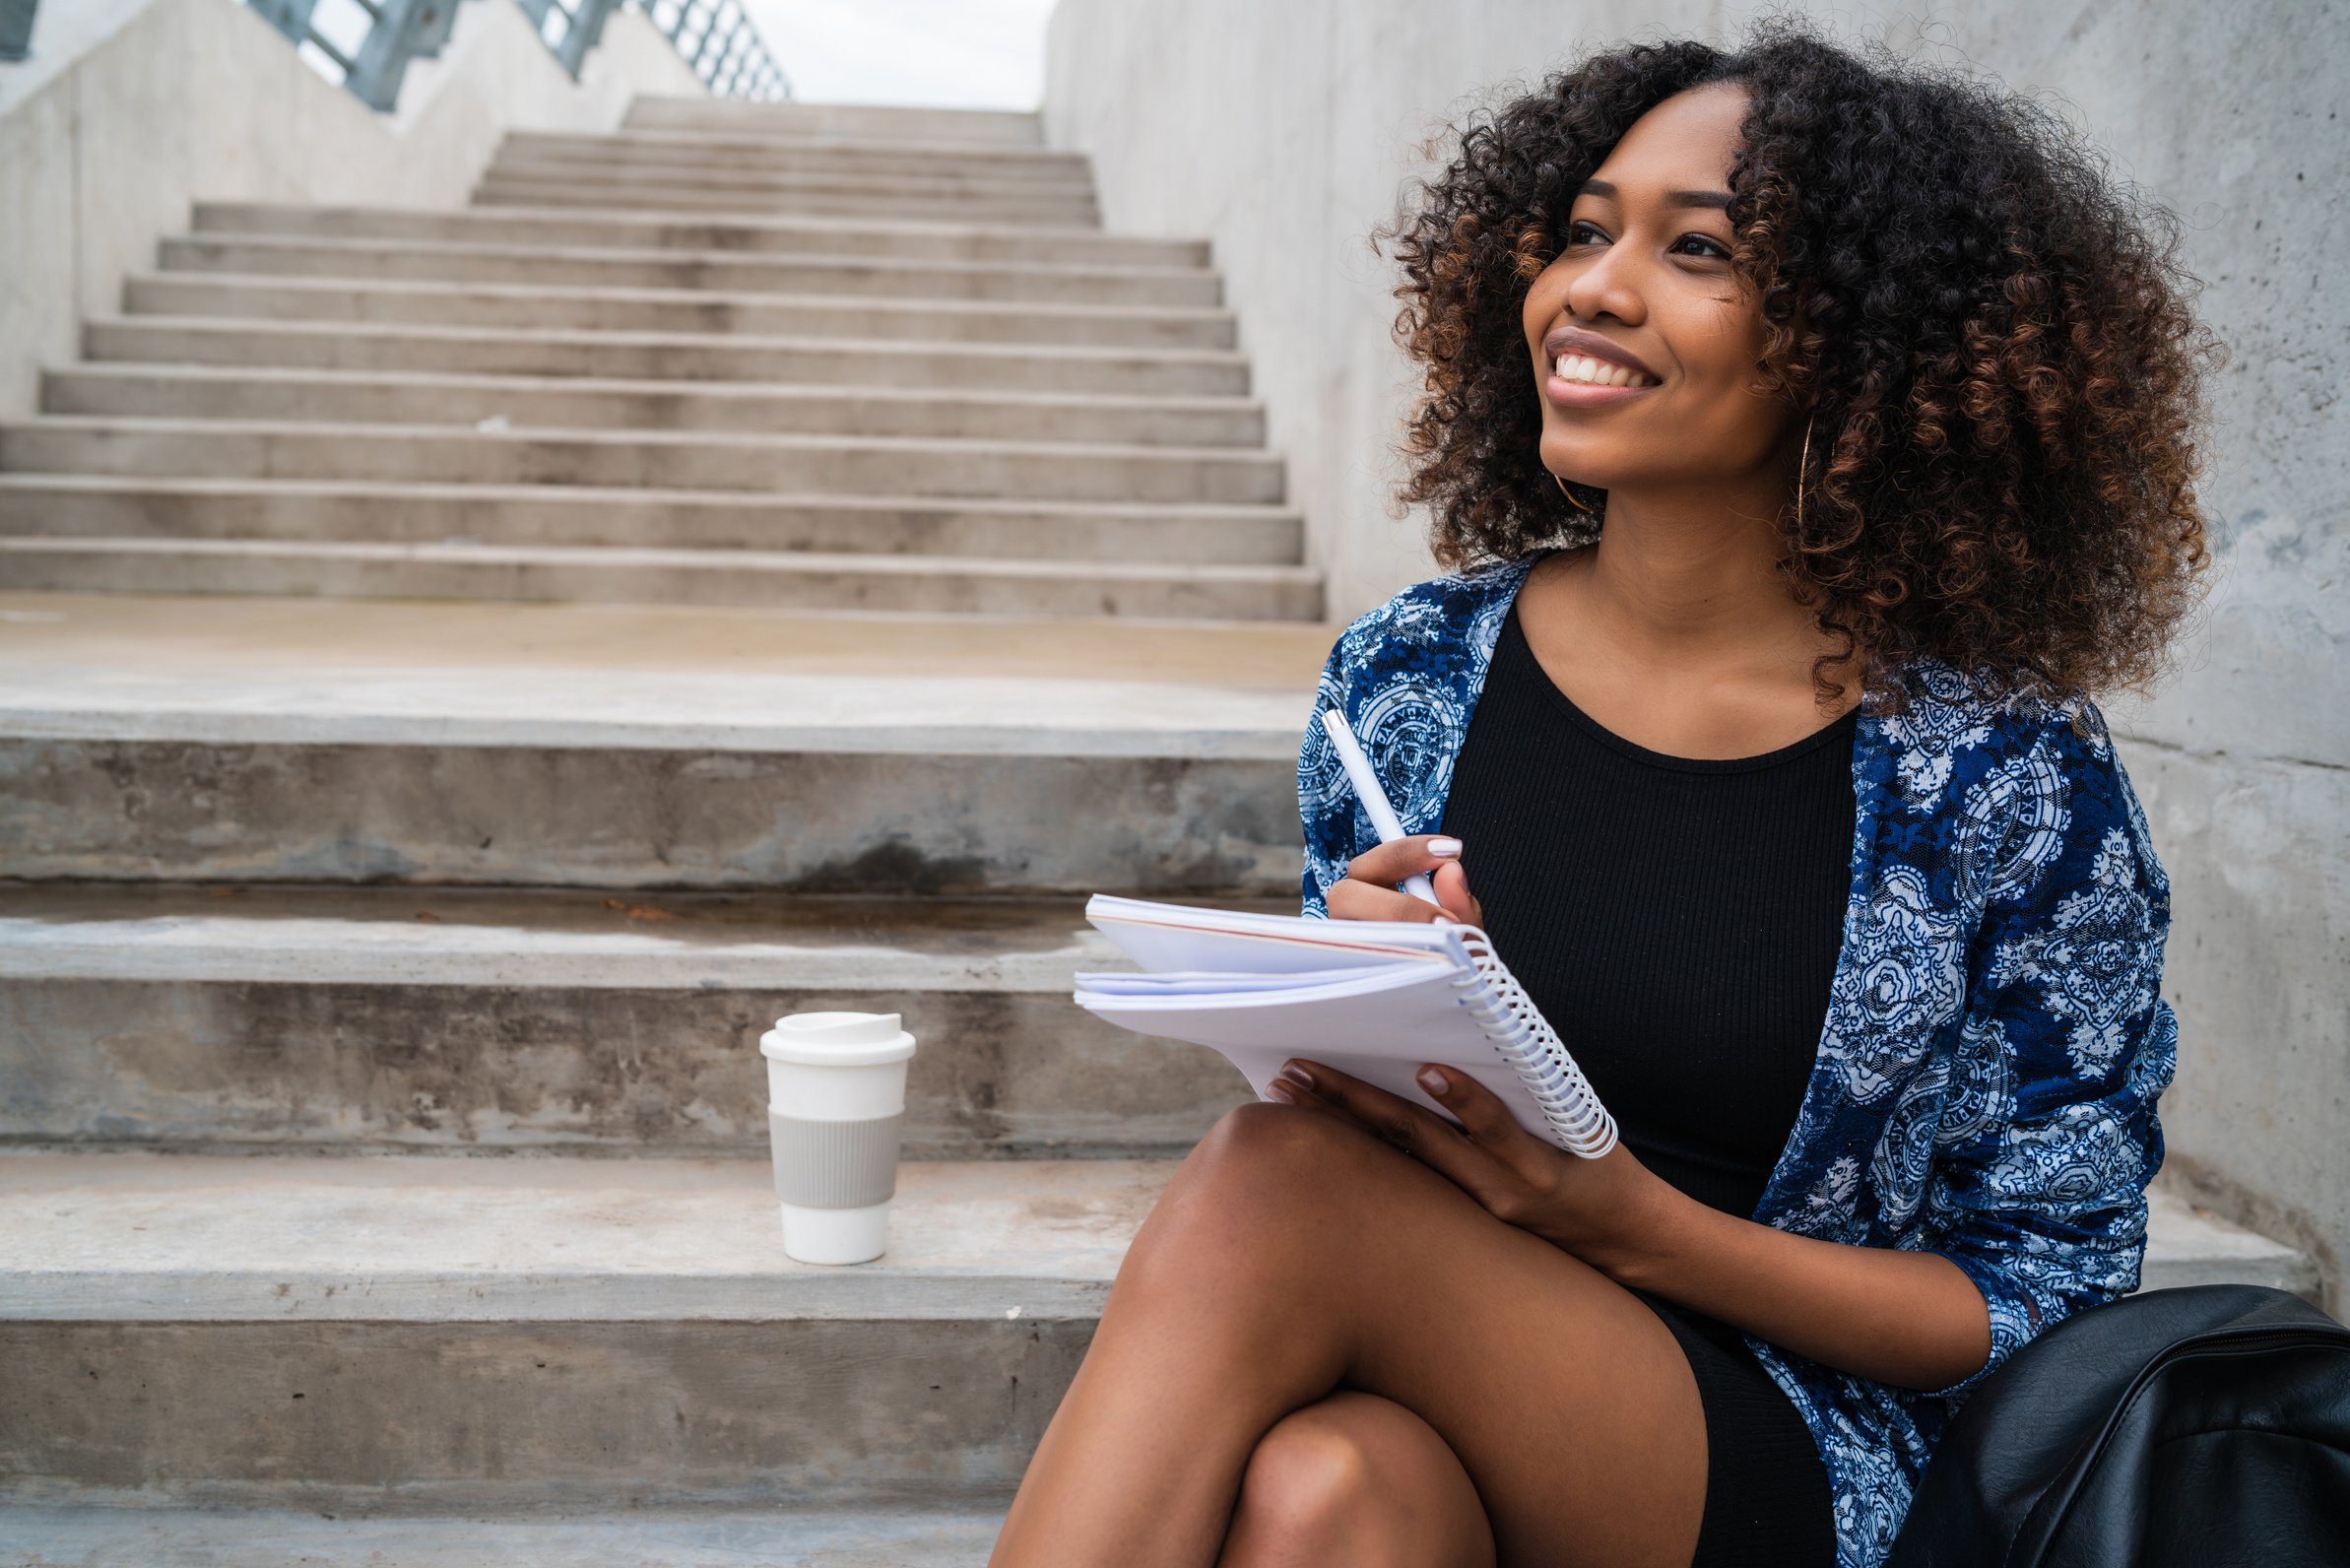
1993 339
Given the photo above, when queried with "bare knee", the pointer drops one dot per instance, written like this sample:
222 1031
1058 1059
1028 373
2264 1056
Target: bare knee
1263 1183
1304 1491
1258 1131
1259 1150
1360 1482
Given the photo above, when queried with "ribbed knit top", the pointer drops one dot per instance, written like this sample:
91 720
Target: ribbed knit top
1677 920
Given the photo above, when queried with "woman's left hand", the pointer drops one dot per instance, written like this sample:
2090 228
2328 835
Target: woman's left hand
1596 1209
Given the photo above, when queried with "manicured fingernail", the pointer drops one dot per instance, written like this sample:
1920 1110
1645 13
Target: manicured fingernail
1297 1074
1432 1079
1444 848
1443 919
1278 1090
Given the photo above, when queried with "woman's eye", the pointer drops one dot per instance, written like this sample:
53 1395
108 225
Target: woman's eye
1702 246
1585 233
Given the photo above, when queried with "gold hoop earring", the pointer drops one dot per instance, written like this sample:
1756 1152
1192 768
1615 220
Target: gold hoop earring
1803 471
1572 500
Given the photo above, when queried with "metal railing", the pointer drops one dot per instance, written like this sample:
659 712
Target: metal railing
16 30
569 27
368 44
365 45
717 38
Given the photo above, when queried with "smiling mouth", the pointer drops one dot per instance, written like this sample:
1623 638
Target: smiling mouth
1580 369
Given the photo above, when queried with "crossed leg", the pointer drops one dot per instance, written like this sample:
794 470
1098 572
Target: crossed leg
1319 1351
1360 1481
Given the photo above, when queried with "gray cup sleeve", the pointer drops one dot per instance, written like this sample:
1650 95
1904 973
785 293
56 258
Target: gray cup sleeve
834 1164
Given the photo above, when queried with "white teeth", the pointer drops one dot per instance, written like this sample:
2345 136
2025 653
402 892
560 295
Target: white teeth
1596 372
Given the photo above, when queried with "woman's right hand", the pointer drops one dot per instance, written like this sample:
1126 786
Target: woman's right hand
1368 891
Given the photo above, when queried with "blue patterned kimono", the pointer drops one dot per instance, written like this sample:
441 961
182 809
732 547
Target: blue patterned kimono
1987 1076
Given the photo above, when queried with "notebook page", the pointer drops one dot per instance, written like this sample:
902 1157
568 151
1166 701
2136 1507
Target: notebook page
1217 982
1166 937
1381 1027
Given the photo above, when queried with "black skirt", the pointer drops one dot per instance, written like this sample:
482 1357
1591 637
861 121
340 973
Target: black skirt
1767 1502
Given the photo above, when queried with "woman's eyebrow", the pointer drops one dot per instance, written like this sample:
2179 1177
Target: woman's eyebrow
1672 198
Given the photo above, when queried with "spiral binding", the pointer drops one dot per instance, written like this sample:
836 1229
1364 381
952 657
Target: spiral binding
1532 1048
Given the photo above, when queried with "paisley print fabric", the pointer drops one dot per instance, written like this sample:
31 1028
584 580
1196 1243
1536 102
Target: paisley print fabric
1995 1040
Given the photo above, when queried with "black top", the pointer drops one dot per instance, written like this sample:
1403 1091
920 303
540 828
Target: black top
1677 919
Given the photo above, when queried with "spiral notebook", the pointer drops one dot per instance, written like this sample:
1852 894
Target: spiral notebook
1373 999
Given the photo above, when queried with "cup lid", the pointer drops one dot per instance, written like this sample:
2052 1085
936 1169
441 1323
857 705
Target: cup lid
837 1039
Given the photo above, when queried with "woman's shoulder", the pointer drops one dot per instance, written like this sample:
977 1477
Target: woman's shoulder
2013 779
1429 630
1947 721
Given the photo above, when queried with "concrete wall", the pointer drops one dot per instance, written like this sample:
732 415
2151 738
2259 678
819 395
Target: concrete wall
1283 133
130 109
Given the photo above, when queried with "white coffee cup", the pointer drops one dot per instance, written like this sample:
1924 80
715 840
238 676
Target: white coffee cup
836 1098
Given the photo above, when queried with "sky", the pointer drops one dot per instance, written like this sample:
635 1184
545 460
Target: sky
963 53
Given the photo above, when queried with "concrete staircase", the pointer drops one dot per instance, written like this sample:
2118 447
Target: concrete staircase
384 957
275 926
462 676
807 358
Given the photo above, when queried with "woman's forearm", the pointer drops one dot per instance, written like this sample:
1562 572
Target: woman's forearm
1908 1318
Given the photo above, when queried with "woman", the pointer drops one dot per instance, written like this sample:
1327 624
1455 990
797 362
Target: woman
1818 434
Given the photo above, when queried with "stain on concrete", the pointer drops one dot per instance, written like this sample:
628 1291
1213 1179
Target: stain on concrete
897 866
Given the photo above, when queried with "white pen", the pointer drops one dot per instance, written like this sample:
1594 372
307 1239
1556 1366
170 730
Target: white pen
1376 805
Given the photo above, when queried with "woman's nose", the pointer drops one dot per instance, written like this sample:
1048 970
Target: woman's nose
1606 286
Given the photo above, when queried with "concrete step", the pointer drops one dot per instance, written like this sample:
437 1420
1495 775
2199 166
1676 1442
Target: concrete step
868 277
240 1018
104 505
556 189
703 148
661 459
346 1334
666 357
636 575
947 186
1170 673
638 230
835 123
939 195
350 1335
103 1535
595 403
518 308
164 739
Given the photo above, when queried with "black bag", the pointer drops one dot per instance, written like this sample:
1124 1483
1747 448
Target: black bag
2187 1428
